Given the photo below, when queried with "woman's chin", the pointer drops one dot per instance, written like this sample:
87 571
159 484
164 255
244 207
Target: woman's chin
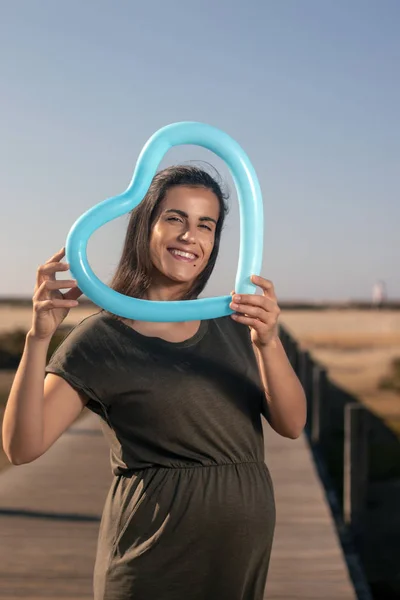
169 277
181 275
179 279
175 275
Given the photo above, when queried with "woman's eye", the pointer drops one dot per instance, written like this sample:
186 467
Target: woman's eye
206 227
174 219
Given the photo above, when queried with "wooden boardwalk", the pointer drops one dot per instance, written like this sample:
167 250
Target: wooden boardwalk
50 511
307 561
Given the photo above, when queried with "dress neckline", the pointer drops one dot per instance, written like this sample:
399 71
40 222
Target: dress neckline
154 340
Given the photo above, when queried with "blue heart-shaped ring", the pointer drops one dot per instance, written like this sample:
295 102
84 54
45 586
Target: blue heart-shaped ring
251 227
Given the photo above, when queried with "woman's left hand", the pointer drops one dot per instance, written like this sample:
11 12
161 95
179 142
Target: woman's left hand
260 313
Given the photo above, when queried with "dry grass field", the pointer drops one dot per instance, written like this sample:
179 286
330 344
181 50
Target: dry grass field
356 347
14 317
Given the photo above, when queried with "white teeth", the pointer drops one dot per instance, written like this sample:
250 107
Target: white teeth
184 254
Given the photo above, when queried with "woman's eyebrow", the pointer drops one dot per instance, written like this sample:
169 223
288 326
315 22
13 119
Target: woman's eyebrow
183 214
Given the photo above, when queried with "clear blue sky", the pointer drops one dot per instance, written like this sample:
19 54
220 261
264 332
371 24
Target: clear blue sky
309 88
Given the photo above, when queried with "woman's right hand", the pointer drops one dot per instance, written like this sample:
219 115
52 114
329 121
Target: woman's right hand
50 306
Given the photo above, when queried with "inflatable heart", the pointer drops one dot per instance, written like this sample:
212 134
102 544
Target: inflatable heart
251 227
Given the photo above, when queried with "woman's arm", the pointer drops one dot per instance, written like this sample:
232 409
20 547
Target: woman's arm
38 410
285 398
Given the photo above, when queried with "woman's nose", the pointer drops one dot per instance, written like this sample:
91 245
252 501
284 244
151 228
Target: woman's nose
189 235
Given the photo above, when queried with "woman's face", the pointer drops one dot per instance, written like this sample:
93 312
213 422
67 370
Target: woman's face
182 237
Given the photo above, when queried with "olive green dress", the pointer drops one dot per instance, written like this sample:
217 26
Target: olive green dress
190 514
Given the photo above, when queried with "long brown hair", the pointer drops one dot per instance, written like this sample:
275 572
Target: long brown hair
133 274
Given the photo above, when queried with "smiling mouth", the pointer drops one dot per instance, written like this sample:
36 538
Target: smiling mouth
181 255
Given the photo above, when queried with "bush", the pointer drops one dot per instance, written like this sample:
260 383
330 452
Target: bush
12 346
392 381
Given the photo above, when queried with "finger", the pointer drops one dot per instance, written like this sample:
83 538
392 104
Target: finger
50 285
59 284
73 294
57 256
256 300
43 305
54 267
49 270
256 312
265 284
259 326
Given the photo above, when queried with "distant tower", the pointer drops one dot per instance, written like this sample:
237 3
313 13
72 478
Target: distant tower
379 295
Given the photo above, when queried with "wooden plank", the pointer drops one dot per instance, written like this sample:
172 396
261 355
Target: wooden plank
48 541
307 561
49 519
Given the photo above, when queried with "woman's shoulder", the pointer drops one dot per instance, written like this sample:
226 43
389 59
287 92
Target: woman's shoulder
91 325
88 333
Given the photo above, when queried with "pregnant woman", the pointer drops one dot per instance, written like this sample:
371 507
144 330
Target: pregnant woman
190 514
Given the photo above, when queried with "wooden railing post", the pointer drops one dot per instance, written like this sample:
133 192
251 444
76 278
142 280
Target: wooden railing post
318 407
283 337
291 350
355 468
294 353
304 371
305 376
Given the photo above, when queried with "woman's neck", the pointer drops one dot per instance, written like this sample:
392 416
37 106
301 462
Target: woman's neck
169 331
163 292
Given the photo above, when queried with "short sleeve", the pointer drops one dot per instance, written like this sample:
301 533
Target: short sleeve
78 359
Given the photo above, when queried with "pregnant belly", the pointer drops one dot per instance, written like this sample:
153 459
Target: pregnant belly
190 508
